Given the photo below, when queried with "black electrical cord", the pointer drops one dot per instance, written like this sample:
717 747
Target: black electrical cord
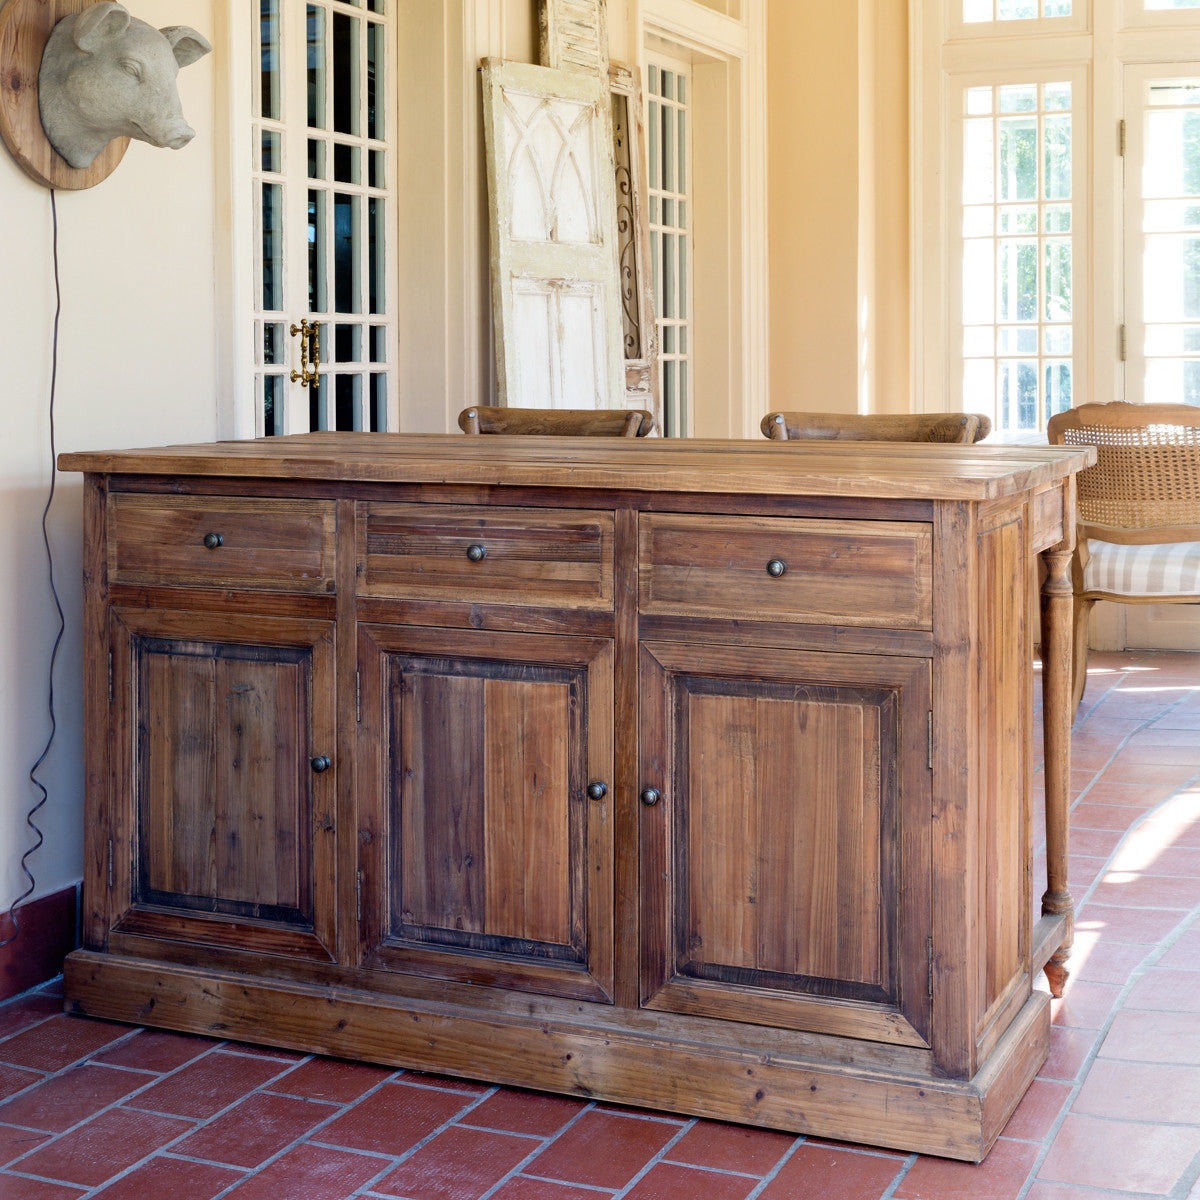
39 837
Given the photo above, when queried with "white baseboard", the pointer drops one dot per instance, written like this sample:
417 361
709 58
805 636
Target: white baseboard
1144 627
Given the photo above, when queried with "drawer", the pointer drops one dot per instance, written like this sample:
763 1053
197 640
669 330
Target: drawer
785 569
269 545
529 556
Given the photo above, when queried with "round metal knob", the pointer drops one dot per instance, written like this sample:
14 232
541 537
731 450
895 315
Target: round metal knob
477 553
651 796
597 790
321 763
776 567
213 540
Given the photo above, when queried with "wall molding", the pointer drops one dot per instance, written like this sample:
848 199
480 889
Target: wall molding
47 932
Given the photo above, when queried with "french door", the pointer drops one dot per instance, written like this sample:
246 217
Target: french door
324 188
1162 234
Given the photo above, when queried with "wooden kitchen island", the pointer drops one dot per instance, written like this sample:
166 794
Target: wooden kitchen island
694 775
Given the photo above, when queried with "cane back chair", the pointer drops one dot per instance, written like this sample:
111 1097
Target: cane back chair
1138 508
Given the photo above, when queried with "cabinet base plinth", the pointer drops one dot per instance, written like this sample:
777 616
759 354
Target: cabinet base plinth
722 1081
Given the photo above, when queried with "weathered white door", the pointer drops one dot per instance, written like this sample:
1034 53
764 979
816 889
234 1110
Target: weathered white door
555 274
323 197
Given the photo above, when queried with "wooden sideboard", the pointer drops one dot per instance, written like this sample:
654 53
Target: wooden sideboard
696 775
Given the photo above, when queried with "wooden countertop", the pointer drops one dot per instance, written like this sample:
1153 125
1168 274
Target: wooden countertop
867 469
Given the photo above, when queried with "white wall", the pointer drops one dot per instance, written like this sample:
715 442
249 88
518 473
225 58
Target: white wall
137 367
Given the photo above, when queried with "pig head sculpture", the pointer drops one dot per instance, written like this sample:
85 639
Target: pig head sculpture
105 74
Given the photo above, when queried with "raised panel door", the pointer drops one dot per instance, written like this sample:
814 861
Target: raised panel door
224 780
483 857
785 838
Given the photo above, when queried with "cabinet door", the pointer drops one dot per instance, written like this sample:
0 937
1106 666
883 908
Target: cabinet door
224 801
483 857
785 860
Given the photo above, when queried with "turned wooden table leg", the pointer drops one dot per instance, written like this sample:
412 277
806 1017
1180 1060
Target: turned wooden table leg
1057 714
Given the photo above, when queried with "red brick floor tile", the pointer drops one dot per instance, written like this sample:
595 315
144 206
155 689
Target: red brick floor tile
820 1172
311 1173
521 1188
1084 1004
275 1052
602 1149
1164 1037
1167 773
1069 1049
331 1079
1109 962
58 1042
841 1144
15 1079
103 1147
1000 1176
209 1084
1146 891
515 1111
15 1142
393 1119
670 1181
1095 843
1039 1108
1177 860
1140 926
1163 990
170 1179
1131 795
472 1087
255 1129
1179 749
155 1050
458 1164
63 1100
731 1147
1184 955
1112 817
27 1010
1131 1156
12 1188
1148 1091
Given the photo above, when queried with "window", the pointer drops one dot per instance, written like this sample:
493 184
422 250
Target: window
1013 10
668 144
1016 307
323 191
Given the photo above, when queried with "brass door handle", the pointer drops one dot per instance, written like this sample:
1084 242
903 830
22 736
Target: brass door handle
310 352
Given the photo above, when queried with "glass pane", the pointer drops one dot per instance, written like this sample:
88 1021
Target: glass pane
378 344
1057 134
1018 98
318 251
272 247
979 221
1058 339
1058 280
1058 218
346 233
376 258
977 10
268 24
979 341
1015 218
316 158
979 386
272 151
979 101
316 67
1172 278
347 343
1058 8
681 182
272 402
1058 387
978 283
347 402
346 163
346 89
1017 339
1018 284
978 168
1017 168
652 125
1016 10
377 6
316 404
669 277
667 85
1057 97
668 145
378 403
375 83
377 169
1154 5
274 349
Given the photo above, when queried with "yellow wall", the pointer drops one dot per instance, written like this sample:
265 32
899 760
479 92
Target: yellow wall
838 200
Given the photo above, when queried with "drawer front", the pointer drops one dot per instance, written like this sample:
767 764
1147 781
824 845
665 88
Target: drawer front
212 541
787 569
487 555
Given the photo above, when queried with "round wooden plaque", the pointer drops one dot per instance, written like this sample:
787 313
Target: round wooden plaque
25 27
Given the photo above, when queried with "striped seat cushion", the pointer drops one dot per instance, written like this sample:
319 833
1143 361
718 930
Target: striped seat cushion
1167 569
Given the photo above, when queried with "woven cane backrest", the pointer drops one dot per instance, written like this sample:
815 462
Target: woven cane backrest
960 428
1145 486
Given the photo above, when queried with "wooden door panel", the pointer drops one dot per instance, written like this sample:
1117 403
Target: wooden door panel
230 832
789 854
484 860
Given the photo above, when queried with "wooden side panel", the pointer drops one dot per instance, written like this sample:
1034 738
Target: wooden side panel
1004 734
786 868
484 859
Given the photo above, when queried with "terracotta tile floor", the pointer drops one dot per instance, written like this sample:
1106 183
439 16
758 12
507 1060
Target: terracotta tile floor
89 1109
